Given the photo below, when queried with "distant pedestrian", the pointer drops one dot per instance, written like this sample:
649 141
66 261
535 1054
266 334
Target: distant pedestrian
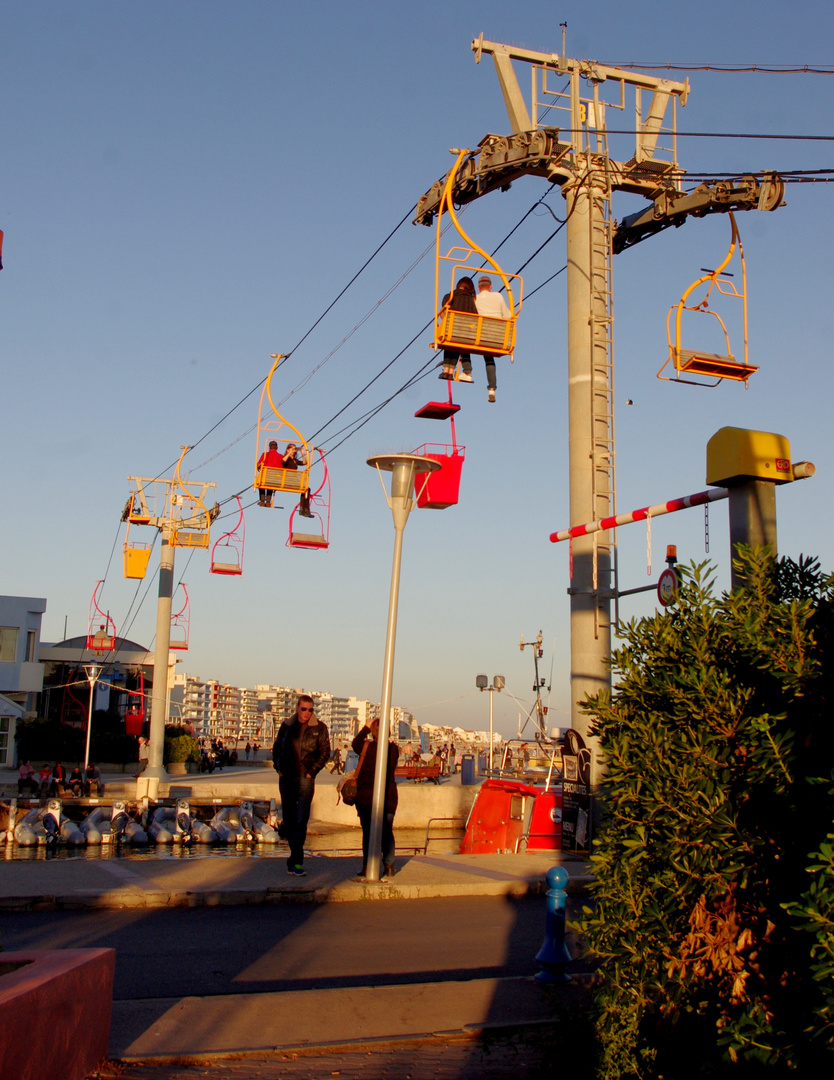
337 760
365 744
300 752
248 750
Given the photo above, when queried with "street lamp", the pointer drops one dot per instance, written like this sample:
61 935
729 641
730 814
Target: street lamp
498 683
403 469
92 671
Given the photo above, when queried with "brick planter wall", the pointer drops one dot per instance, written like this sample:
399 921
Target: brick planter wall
56 1013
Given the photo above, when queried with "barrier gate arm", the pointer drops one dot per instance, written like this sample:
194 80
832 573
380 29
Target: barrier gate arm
670 507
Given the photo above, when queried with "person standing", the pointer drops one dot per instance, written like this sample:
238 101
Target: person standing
299 753
492 305
366 741
248 749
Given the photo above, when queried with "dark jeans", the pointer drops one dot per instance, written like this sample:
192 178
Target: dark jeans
388 850
296 798
489 361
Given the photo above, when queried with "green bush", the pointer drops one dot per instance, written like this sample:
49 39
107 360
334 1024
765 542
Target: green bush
180 745
717 738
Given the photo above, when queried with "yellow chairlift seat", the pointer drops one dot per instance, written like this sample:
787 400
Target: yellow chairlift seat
698 362
475 333
713 364
460 330
272 479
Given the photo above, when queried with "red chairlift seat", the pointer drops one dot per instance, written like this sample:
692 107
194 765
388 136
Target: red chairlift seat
180 624
318 504
227 553
101 630
437 490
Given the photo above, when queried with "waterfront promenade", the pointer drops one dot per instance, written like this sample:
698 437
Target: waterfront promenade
385 1012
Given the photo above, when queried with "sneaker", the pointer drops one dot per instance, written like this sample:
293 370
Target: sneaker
465 376
297 871
448 372
491 394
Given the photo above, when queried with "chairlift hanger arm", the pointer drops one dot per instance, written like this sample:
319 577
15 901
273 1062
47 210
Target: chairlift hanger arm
713 197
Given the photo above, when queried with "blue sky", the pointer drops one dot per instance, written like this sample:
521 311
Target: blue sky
185 187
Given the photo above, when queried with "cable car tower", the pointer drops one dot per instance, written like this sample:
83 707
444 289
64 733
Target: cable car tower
177 508
577 157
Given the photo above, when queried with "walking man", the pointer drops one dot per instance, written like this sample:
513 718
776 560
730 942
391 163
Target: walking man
300 752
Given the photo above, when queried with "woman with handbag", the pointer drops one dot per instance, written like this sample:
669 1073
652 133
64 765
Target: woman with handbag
365 744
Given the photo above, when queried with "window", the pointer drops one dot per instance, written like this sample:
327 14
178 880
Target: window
8 644
31 646
4 738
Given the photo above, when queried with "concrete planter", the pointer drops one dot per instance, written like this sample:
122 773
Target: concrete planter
67 994
182 768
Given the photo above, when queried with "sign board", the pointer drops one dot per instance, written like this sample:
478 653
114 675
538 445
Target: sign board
576 792
667 587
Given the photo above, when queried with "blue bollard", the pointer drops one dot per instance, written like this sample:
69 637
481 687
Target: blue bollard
553 955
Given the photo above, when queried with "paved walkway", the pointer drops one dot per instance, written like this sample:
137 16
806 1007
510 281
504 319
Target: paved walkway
426 1029
169 881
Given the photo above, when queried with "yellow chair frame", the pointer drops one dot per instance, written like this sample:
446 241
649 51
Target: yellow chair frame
717 366
461 331
190 518
268 478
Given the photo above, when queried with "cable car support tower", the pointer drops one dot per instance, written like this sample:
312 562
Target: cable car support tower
576 156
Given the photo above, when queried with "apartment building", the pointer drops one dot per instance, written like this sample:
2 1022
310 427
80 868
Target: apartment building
254 714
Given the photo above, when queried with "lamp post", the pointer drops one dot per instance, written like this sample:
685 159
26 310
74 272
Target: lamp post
92 671
498 683
403 469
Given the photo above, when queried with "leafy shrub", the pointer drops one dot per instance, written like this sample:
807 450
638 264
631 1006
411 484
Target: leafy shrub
715 737
180 745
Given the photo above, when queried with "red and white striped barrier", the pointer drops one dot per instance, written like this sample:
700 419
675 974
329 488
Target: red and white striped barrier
713 495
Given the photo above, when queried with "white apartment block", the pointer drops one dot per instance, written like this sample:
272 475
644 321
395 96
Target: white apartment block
244 714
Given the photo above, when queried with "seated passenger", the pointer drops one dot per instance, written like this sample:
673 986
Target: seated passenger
272 460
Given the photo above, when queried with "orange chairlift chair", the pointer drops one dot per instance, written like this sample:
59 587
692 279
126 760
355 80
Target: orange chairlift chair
459 330
181 624
101 630
317 506
270 477
137 554
693 366
437 490
227 553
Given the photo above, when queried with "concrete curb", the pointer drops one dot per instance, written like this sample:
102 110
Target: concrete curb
347 892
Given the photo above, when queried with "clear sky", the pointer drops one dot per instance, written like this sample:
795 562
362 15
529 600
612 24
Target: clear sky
185 188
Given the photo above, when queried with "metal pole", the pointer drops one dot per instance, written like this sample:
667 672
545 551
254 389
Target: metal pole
752 519
590 606
491 689
159 695
92 672
401 501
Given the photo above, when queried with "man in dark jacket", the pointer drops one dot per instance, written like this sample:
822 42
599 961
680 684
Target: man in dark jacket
301 750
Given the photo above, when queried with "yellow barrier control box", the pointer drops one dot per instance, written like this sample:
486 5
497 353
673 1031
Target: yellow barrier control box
738 454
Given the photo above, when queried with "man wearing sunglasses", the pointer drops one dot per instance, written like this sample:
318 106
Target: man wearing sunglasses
301 750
